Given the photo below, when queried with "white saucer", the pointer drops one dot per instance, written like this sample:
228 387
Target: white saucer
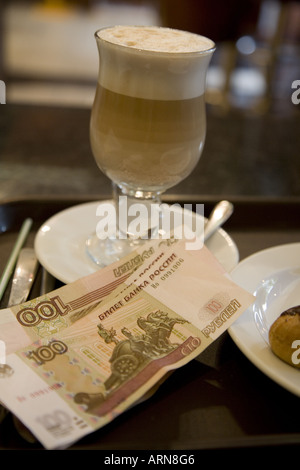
60 243
273 276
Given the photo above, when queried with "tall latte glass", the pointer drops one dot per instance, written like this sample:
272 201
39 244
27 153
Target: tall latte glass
148 120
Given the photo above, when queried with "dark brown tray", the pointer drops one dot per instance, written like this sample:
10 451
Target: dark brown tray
219 401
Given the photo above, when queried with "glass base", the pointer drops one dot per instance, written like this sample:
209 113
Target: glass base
173 222
105 252
128 222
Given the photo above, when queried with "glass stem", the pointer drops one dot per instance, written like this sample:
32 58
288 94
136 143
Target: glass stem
137 213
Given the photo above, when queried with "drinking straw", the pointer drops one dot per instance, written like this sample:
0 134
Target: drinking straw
8 270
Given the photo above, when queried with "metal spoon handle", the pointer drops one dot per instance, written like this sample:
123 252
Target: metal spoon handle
221 212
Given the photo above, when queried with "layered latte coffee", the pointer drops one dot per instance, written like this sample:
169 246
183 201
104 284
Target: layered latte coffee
148 119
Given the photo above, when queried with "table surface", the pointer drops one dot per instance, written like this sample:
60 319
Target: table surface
220 400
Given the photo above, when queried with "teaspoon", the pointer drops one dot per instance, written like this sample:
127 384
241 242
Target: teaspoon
220 213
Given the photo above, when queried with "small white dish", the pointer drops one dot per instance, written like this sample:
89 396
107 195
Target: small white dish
273 276
60 243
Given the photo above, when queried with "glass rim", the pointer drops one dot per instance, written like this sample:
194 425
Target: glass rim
137 50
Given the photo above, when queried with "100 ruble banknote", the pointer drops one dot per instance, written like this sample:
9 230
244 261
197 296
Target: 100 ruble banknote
162 316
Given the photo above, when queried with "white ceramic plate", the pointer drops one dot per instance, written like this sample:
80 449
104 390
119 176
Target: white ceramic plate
60 243
273 276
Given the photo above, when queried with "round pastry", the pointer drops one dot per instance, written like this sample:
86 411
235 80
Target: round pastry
284 336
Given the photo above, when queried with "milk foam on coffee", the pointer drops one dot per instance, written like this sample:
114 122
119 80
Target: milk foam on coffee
153 62
156 39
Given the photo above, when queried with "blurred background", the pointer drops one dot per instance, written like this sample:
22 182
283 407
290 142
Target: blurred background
48 53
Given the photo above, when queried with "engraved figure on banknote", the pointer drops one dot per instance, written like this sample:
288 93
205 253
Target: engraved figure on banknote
5 370
131 354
